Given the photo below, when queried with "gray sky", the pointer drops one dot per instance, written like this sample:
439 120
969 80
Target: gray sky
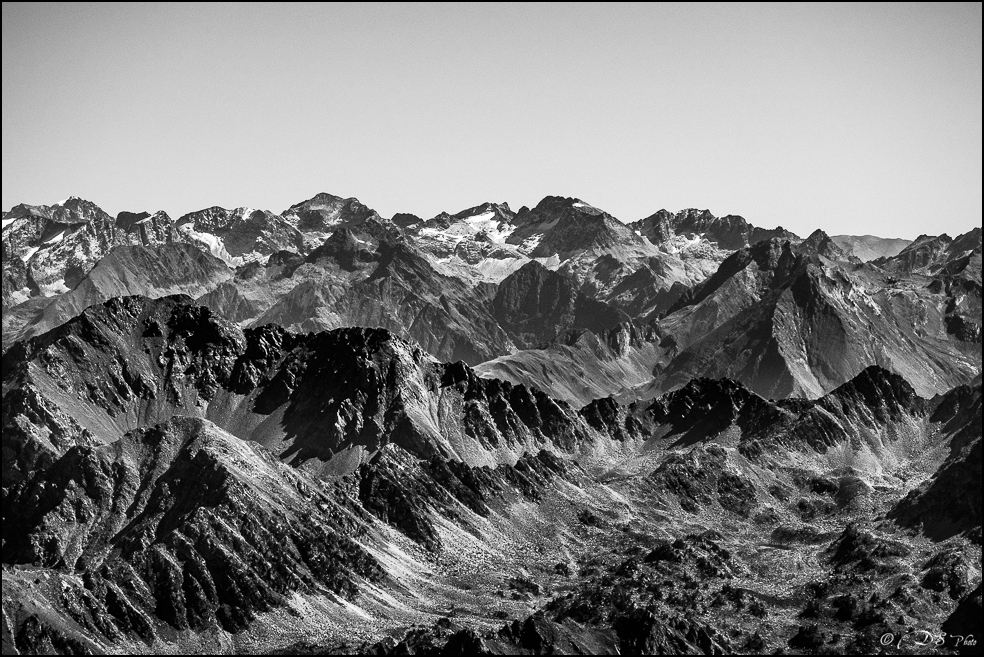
853 118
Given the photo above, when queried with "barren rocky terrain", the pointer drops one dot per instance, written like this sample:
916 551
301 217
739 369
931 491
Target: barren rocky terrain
491 432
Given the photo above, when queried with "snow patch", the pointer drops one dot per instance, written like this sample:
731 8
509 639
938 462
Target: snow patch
499 235
7 222
441 235
480 218
29 253
680 243
252 256
531 242
20 296
486 222
214 244
53 288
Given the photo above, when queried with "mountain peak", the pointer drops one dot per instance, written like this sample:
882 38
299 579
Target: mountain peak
319 200
729 232
488 206
705 407
344 248
884 392
820 243
555 204
874 382
316 217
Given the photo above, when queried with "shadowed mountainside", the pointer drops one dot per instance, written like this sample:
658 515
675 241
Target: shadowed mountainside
684 435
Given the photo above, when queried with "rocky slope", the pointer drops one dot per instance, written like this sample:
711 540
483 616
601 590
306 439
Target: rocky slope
332 398
932 254
318 217
173 268
794 320
177 527
535 305
639 273
610 261
48 249
173 482
112 418
351 281
729 233
581 366
241 235
869 247
794 465
950 502
793 324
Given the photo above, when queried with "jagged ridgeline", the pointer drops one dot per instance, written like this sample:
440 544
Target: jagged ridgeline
535 431
324 400
531 296
169 475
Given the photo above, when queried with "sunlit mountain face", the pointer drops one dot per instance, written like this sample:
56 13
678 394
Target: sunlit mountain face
532 431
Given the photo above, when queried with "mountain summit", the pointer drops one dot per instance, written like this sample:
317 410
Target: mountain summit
488 432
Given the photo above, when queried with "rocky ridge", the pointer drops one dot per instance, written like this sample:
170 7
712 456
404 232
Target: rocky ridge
134 361
180 449
180 477
452 283
48 249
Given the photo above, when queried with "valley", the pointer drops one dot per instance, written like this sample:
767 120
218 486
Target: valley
491 432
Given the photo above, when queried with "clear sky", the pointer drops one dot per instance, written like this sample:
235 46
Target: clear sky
852 118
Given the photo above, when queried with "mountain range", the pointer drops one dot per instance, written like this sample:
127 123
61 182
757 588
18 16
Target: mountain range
491 432
488 284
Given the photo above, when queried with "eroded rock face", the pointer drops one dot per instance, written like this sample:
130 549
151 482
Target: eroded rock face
536 305
403 491
869 247
163 270
48 249
965 621
787 318
361 279
565 226
134 360
320 216
950 502
172 475
181 524
618 359
932 254
730 232
139 493
239 236
788 324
